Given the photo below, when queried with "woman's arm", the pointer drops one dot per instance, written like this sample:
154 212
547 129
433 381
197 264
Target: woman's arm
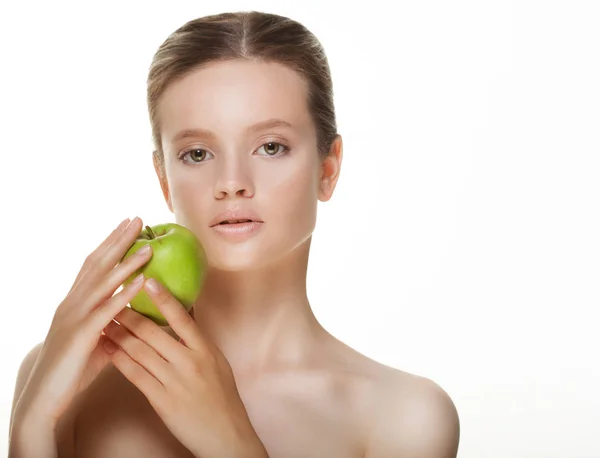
30 437
22 376
29 433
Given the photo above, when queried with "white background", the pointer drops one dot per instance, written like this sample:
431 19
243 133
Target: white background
461 244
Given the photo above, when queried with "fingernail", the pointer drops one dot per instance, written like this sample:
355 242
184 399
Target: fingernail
133 221
110 346
144 250
137 280
152 285
123 224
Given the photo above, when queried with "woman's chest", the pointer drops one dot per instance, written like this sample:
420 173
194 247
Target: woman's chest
121 423
299 426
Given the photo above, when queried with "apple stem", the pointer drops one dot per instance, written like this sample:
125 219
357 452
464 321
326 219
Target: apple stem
151 234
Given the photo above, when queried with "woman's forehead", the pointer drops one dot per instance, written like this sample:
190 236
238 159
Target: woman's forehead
234 96
237 82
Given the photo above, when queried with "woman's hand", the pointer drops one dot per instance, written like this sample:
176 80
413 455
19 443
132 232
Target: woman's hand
73 353
188 382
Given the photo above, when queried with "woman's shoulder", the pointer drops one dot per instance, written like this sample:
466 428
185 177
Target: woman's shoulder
406 413
414 416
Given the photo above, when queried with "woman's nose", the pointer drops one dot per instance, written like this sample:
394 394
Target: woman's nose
233 181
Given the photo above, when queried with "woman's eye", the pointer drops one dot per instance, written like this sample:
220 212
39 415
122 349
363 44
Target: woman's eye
196 154
272 148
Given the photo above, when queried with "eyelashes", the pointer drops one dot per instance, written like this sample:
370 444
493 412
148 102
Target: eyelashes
281 150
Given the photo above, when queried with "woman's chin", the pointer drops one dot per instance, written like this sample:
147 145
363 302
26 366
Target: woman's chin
237 263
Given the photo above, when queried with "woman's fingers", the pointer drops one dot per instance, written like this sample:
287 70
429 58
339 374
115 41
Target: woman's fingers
88 291
114 235
104 261
140 351
104 314
107 285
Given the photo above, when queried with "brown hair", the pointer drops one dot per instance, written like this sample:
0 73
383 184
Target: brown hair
248 35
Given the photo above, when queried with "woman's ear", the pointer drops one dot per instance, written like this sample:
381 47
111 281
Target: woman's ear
162 178
330 169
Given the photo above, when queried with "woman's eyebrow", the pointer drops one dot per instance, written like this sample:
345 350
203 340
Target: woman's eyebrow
198 132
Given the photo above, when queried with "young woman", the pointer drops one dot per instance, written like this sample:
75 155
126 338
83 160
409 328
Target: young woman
243 122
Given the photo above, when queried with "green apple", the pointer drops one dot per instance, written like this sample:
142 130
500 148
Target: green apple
178 262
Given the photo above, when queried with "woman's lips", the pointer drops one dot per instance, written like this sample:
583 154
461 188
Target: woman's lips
238 231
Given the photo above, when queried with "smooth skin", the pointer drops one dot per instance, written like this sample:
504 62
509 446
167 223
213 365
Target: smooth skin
305 393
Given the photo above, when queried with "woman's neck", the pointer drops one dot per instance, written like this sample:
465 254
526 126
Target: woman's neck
260 320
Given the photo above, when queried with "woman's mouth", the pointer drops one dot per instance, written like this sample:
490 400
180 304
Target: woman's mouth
237 230
236 221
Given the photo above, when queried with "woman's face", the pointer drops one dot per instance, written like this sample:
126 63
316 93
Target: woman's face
274 172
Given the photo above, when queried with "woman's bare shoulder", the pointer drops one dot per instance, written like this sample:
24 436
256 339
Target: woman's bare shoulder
408 414
414 416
